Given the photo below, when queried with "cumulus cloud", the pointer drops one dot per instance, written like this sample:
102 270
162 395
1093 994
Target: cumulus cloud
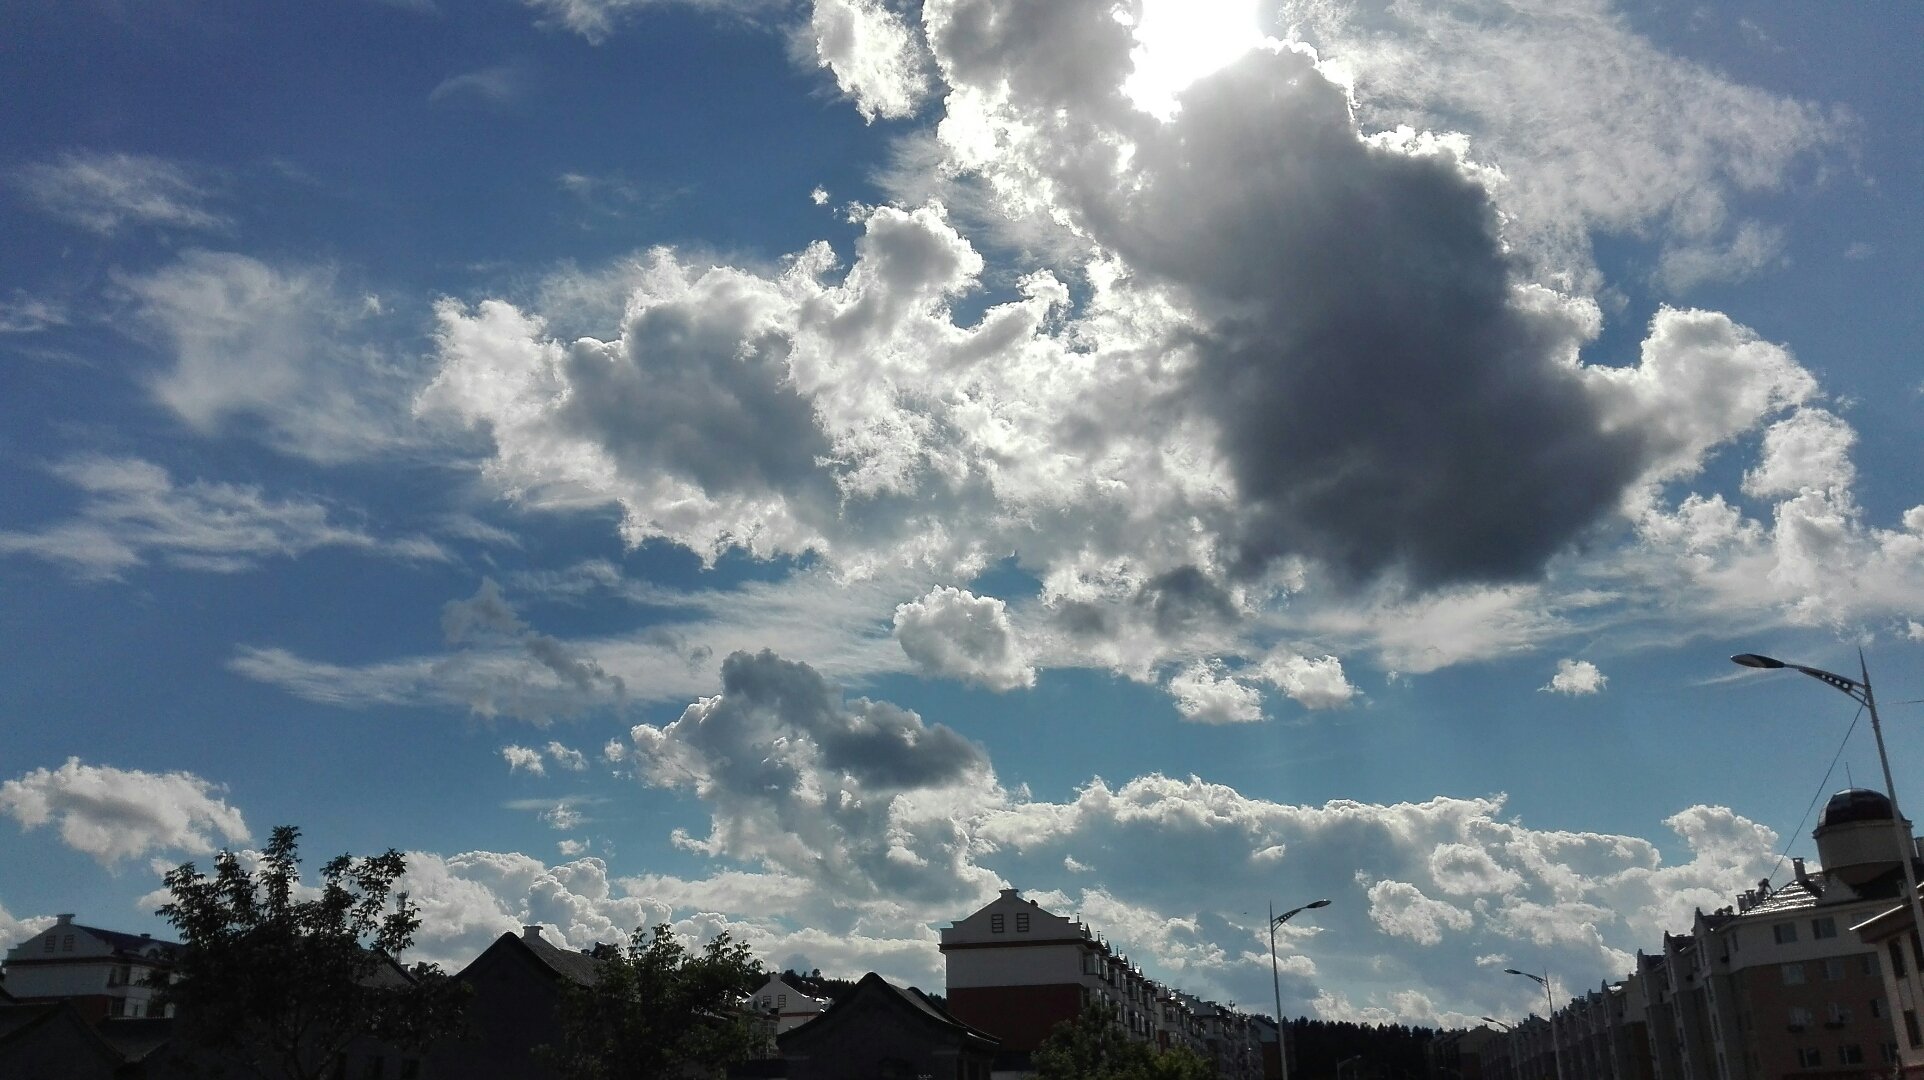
1206 694
114 814
105 192
15 930
133 511
874 53
1576 678
1312 682
524 759
1402 910
952 632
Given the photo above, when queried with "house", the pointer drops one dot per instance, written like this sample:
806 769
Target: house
879 1031
103 973
791 1006
51 1040
517 985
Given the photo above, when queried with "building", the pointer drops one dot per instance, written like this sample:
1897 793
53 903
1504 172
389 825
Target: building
1016 970
517 984
103 973
879 1031
1886 933
790 1004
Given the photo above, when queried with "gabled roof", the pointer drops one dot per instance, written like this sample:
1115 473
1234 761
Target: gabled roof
875 992
560 963
128 943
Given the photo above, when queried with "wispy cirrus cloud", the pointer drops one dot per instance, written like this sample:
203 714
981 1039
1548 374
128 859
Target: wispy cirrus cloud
105 192
132 512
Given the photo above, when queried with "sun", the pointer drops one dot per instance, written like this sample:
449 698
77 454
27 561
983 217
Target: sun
1180 41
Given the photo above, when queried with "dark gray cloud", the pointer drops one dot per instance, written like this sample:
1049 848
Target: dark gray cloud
486 620
1385 400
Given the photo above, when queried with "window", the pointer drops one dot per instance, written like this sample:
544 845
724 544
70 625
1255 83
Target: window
50 943
1840 1014
1877 1008
1784 932
1809 1057
1897 958
1823 928
1890 1053
1851 1054
66 943
1022 922
1869 960
1833 969
1910 1028
1799 1018
781 1001
1793 974
998 923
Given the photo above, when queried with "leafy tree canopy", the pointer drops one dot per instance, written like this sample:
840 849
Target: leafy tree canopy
658 1010
282 980
1093 1046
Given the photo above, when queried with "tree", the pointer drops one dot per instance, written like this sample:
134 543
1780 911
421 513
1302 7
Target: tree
283 986
657 1010
1093 1046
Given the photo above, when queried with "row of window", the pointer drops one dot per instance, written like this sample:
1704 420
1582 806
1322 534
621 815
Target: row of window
998 923
1811 1057
1786 932
1835 1013
65 940
1834 967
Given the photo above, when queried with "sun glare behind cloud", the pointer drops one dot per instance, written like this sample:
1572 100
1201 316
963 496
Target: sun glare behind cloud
1180 41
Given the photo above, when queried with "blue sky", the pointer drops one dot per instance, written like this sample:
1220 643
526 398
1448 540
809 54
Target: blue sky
797 468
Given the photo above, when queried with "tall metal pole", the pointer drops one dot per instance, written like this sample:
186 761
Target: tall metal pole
1859 690
1550 1010
1276 979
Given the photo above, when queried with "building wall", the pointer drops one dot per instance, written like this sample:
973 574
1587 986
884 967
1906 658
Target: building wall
1021 1016
1016 964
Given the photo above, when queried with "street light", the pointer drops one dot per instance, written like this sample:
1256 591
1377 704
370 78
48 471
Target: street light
1859 690
1550 1004
1498 1023
1275 920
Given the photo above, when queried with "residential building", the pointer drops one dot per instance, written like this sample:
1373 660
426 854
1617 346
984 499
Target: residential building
791 1005
103 973
517 984
879 1031
1016 970
1886 932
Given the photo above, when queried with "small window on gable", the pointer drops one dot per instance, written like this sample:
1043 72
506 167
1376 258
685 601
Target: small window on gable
781 1001
998 924
66 943
1784 932
51 943
1825 927
1022 922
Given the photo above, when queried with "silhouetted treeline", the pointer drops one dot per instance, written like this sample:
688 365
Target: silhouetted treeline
1374 1051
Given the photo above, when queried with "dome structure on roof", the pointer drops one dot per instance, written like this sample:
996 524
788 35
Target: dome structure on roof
1855 804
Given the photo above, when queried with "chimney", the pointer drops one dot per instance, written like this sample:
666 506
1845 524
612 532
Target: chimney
63 920
1011 892
531 933
1797 868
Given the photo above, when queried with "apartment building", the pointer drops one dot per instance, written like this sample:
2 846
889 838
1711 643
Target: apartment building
103 972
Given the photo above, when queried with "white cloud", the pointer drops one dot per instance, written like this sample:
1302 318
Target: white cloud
597 19
279 352
953 632
105 192
1205 694
114 814
524 759
1576 678
15 930
133 511
874 53
1402 910
496 85
567 758
1312 682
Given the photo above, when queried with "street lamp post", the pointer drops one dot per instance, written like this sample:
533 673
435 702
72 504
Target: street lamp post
1543 980
1859 690
1494 1020
1276 979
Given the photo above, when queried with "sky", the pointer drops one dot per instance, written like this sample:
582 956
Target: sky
796 468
